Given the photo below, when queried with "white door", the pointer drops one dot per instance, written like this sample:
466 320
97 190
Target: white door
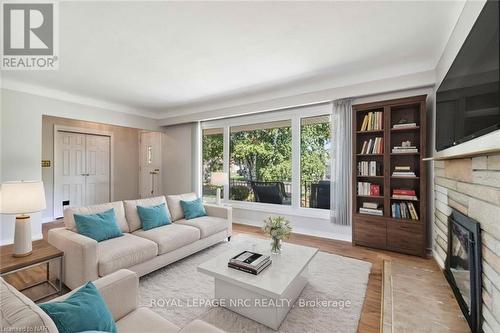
97 169
150 164
82 170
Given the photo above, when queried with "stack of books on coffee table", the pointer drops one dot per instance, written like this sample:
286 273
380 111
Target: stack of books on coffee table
250 262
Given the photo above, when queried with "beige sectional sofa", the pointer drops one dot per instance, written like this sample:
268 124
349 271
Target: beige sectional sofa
119 291
138 250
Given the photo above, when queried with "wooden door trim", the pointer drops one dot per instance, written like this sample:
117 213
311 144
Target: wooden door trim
81 130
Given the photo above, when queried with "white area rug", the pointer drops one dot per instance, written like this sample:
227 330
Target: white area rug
181 294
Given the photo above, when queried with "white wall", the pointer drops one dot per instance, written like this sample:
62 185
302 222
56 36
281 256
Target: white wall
21 139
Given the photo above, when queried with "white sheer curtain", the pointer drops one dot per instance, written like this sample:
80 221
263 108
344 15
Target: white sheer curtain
341 162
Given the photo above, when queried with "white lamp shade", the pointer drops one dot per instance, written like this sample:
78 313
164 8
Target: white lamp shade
219 178
22 197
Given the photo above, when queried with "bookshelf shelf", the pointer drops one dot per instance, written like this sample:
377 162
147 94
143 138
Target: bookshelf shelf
371 196
405 154
361 176
371 132
409 178
407 129
396 199
402 235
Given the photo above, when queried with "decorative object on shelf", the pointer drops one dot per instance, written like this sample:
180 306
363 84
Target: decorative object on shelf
278 228
406 147
22 197
219 179
404 123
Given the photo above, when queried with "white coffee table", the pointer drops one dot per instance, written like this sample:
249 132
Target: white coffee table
269 296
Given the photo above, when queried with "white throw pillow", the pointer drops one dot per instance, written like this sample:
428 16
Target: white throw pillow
174 204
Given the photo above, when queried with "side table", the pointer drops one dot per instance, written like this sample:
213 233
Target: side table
43 254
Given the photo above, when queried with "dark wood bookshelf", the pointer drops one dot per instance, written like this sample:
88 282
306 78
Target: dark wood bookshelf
387 232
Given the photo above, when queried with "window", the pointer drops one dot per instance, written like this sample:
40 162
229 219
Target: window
273 158
213 157
261 162
315 162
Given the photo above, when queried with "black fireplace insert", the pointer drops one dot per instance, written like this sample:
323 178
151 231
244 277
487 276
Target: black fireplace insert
463 266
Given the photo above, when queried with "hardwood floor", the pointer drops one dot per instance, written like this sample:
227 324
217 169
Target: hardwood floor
371 314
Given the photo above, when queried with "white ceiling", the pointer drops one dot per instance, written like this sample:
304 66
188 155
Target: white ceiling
163 57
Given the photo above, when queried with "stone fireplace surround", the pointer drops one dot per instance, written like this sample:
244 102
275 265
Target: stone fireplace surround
472 186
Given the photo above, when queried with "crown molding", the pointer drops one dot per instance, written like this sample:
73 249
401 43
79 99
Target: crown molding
76 98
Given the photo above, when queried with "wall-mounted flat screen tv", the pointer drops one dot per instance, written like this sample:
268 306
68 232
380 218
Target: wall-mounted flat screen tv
468 99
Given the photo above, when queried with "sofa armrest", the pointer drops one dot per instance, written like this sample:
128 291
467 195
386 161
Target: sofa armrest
80 256
224 212
118 289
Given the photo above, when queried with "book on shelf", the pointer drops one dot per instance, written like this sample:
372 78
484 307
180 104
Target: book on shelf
411 149
369 168
404 210
372 121
404 174
373 146
406 125
370 205
370 211
368 189
404 194
375 190
250 262
403 171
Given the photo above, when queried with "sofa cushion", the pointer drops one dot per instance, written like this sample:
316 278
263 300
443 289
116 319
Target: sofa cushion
100 226
19 313
85 310
133 220
193 208
123 252
208 225
69 219
174 204
170 237
153 217
145 320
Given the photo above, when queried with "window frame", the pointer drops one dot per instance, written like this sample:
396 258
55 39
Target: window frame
293 114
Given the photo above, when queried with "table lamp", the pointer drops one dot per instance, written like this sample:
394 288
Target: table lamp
21 198
219 179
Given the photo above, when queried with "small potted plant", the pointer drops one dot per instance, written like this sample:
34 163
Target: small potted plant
277 228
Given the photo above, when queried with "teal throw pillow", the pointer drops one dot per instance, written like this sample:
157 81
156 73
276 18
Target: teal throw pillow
153 217
85 310
193 209
100 226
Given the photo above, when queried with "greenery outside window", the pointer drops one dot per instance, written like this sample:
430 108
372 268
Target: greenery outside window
315 168
213 159
260 164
